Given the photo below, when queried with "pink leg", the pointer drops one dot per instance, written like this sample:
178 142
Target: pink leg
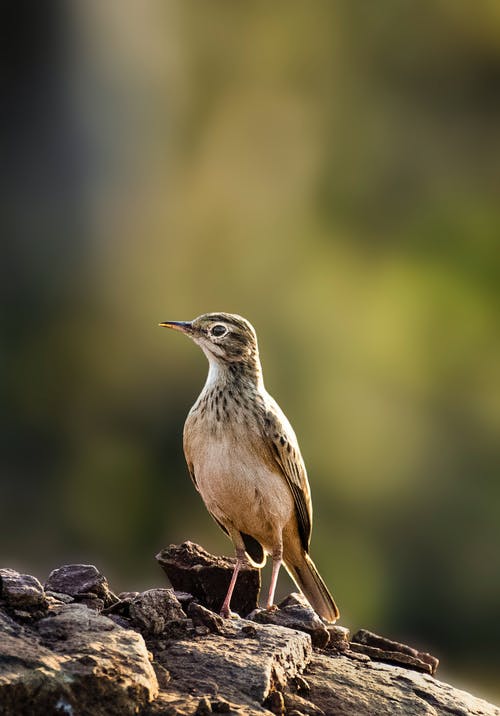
277 559
225 609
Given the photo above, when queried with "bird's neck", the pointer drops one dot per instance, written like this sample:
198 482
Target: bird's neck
238 374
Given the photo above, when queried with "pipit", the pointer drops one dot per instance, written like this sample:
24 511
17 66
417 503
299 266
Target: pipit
245 461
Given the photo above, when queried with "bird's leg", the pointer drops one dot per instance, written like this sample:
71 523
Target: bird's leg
277 560
240 560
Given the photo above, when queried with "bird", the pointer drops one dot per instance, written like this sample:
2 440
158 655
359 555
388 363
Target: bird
244 459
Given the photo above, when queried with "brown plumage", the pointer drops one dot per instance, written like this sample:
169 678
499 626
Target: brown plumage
245 461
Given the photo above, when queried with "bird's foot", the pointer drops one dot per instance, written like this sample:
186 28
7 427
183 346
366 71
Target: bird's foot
226 613
272 608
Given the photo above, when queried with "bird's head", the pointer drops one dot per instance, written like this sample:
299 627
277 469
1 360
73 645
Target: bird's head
225 337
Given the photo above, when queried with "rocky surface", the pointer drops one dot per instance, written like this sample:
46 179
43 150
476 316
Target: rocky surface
83 582
74 648
72 661
193 570
242 665
294 612
343 686
382 649
22 593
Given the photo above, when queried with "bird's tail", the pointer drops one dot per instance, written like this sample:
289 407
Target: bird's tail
307 578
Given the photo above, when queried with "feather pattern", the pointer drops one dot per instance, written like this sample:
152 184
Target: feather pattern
280 436
245 461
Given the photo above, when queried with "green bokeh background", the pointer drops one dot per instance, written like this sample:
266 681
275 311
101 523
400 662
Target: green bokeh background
329 170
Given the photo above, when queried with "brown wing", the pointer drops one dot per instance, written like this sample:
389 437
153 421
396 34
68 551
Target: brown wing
286 453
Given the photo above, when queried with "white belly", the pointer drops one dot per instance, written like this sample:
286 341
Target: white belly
238 485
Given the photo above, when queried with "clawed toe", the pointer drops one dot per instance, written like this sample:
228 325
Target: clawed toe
228 614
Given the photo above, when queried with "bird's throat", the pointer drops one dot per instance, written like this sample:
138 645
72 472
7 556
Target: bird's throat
224 373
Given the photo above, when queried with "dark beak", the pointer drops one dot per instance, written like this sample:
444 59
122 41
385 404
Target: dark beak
183 326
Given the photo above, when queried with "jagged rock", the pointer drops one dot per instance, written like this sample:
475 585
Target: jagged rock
58 597
294 612
69 659
80 580
184 598
191 569
357 656
91 601
221 706
152 610
343 686
339 637
383 649
275 703
153 613
296 705
8 625
120 621
21 591
76 662
300 685
204 707
235 666
30 674
202 616
391 657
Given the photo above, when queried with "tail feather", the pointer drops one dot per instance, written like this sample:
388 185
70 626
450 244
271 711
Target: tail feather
310 583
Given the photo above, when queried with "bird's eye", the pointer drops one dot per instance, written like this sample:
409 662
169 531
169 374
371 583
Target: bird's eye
218 330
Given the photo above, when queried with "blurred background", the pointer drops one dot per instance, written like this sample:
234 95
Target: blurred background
331 172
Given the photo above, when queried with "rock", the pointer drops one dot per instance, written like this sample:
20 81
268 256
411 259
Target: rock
151 611
342 686
22 591
391 657
234 667
184 598
204 707
70 659
30 674
355 656
294 612
383 649
59 597
191 569
300 685
80 580
121 607
74 662
339 637
275 703
9 626
202 616
91 601
120 621
295 704
249 630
